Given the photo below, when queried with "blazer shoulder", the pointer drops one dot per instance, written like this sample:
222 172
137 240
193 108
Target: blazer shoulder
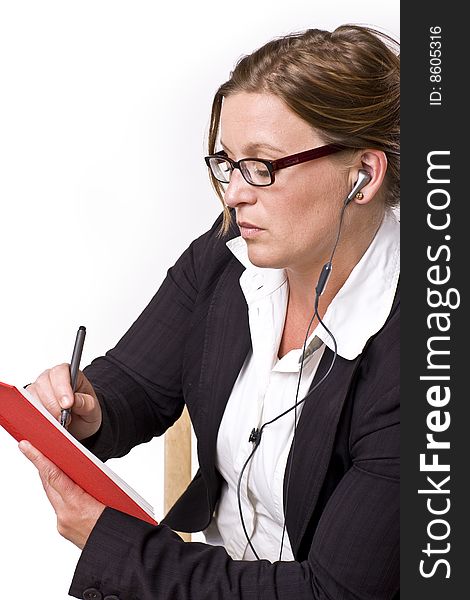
388 336
208 255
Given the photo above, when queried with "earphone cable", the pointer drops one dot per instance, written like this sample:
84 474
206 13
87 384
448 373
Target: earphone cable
294 407
289 467
338 234
258 433
239 497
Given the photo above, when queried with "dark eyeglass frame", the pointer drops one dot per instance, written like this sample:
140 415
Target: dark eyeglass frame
276 165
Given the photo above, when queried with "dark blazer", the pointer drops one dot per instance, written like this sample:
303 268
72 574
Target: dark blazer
342 515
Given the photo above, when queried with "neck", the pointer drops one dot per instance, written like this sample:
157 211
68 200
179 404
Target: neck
356 235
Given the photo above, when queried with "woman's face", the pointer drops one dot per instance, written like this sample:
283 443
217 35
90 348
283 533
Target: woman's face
292 223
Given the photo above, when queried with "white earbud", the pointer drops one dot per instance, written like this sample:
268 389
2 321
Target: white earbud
363 179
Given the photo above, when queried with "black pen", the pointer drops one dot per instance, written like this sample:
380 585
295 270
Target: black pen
74 366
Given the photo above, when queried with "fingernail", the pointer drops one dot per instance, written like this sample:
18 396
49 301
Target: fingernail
24 446
64 402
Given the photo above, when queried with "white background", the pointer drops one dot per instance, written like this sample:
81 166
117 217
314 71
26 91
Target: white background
104 109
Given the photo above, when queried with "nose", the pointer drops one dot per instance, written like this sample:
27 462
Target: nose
239 191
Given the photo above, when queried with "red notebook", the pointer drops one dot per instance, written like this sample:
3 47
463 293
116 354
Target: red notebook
25 418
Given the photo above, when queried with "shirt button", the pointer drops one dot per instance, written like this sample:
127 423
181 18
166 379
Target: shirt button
92 594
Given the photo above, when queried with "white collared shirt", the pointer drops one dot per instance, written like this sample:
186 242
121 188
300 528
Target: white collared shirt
266 386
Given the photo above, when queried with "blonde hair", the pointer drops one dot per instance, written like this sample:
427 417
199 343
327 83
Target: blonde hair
344 83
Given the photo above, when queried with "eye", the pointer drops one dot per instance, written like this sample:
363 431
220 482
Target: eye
224 166
261 169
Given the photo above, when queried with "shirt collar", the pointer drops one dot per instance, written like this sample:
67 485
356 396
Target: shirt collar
361 306
256 282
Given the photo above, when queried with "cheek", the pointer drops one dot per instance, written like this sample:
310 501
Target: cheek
302 217
299 214
317 201
308 223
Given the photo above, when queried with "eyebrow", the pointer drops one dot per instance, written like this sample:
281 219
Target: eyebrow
253 147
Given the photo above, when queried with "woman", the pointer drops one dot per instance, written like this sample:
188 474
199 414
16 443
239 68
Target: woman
278 328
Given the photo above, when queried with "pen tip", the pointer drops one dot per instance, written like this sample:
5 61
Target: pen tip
82 328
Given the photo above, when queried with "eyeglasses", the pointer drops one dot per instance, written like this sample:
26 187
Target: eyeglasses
260 172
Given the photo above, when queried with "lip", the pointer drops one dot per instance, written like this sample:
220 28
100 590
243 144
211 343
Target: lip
248 230
247 225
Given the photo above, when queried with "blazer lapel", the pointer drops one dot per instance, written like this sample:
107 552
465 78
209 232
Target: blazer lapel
226 345
315 437
314 442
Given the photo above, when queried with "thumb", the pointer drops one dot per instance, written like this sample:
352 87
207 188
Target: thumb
32 453
84 404
48 471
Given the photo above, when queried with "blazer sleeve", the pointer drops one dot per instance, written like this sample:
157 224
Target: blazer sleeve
138 382
354 553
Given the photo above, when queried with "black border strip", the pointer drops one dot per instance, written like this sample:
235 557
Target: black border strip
435 393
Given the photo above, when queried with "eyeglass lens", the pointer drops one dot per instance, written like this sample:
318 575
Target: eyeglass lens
254 171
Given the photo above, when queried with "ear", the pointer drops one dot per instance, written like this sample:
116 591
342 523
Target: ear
375 163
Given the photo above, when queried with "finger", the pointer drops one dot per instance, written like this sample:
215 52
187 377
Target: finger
35 457
85 406
51 476
53 495
42 390
61 384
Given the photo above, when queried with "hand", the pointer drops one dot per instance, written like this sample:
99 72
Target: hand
54 390
77 511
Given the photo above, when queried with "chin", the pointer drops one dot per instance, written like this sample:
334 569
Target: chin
264 259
